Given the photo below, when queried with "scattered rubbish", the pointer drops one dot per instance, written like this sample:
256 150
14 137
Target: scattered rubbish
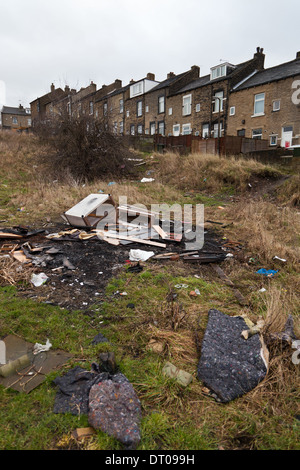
229 255
18 232
140 255
267 273
38 348
107 363
83 433
263 290
132 306
109 401
147 180
181 286
279 259
68 264
111 183
26 370
194 293
99 338
39 279
230 366
285 337
115 409
88 212
253 330
241 299
137 268
156 346
182 377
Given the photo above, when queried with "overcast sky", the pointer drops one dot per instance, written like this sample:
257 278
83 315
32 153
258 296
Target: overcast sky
75 41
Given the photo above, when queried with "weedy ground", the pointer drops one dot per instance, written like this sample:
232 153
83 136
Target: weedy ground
259 207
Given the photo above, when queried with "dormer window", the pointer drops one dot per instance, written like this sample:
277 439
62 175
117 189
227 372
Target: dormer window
218 72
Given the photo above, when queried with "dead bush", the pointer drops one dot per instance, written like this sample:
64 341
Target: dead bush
82 148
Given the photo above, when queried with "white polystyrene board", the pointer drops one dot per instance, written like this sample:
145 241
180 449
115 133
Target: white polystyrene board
87 205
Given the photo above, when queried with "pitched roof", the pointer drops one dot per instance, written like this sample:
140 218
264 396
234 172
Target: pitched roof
279 72
11 110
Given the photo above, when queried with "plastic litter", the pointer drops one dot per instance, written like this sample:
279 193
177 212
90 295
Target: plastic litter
140 255
38 348
279 259
267 273
39 279
147 180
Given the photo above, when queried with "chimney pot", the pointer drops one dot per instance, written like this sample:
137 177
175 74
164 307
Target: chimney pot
298 55
52 88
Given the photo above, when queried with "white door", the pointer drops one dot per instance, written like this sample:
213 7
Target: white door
287 136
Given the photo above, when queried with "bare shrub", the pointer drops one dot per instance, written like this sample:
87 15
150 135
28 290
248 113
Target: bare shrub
82 148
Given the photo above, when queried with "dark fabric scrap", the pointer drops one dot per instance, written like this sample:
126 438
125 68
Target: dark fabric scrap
230 366
73 390
115 409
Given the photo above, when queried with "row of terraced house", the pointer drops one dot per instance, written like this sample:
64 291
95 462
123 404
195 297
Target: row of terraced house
245 100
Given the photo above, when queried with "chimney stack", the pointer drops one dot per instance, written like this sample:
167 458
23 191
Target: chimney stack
298 55
52 88
151 76
171 74
260 58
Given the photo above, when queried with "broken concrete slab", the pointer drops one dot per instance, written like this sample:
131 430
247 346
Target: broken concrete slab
182 377
230 366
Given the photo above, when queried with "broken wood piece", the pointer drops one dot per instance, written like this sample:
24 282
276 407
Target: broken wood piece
130 238
82 433
160 231
20 256
241 299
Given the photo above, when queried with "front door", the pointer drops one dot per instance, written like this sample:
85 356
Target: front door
287 136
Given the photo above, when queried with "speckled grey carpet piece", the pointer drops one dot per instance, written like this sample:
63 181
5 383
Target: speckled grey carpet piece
230 366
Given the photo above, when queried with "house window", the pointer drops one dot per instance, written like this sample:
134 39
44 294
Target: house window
115 128
273 139
105 109
276 105
161 128
69 108
139 108
121 106
197 107
147 108
161 104
257 134
186 105
140 129
137 89
186 129
218 102
127 113
29 122
176 129
259 104
14 120
241 132
218 72
205 131
132 130
91 107
121 127
232 111
170 111
216 130
152 128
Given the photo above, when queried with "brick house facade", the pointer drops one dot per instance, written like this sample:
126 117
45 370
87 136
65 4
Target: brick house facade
267 106
18 119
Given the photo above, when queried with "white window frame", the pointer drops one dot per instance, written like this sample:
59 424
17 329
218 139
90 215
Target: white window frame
132 129
232 111
127 113
198 108
140 129
218 72
147 108
105 109
121 105
205 130
161 104
139 108
187 105
152 128
218 103
257 136
176 129
274 105
276 140
121 127
91 108
186 129
161 124
170 111
259 98
14 120
137 89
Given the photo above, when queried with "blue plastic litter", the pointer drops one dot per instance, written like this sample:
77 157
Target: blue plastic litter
268 273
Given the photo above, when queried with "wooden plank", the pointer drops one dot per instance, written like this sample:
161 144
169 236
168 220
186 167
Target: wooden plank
160 231
132 239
